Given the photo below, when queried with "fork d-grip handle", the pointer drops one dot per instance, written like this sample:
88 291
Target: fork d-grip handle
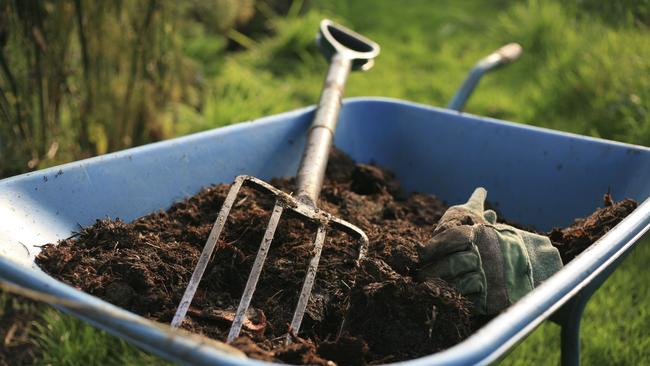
347 50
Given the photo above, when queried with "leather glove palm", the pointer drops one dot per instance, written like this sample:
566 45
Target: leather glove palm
492 264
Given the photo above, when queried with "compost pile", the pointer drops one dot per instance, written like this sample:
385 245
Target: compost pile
572 240
372 314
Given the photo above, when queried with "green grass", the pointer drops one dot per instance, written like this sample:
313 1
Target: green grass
65 340
583 70
577 74
59 339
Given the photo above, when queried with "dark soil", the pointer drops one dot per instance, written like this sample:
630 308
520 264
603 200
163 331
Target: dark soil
376 313
572 240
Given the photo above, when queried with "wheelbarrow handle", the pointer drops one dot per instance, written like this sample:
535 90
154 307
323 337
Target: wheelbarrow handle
504 55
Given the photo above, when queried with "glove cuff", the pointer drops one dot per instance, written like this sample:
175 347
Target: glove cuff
544 257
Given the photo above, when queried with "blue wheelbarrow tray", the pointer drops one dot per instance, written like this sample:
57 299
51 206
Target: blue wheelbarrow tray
534 176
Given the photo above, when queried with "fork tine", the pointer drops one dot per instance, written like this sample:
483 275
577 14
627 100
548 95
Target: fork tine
254 276
307 285
210 244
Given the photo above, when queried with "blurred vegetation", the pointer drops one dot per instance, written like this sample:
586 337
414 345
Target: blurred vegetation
82 77
69 341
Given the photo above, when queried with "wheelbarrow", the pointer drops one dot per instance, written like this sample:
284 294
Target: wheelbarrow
561 176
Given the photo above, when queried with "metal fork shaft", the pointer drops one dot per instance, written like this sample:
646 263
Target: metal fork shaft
309 179
245 301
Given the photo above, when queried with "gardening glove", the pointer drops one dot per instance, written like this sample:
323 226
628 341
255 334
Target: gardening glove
492 264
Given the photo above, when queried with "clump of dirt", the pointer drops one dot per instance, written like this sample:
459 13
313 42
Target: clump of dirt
374 313
402 319
299 352
573 240
345 350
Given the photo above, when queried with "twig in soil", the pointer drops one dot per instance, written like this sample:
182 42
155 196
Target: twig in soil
10 334
607 199
382 360
165 288
273 296
235 249
431 320
236 253
241 201
297 247
283 337
457 331
230 243
228 317
155 246
345 312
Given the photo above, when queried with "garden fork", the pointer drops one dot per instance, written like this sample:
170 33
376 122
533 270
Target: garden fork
346 51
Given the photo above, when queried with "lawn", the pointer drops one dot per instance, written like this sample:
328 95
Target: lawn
584 69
